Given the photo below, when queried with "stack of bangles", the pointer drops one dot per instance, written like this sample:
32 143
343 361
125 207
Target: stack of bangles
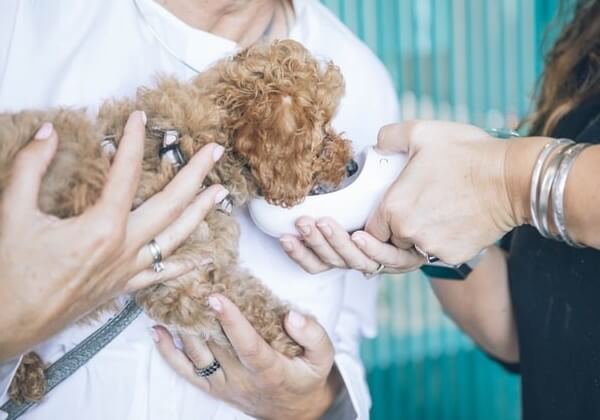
548 182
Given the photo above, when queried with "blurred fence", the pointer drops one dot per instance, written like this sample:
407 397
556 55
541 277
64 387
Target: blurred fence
465 60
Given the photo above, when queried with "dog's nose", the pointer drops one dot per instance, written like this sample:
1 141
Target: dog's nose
351 168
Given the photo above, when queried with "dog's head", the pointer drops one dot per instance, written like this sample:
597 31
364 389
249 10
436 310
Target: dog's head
280 102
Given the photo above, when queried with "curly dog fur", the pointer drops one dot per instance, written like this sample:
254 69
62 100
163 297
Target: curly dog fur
270 106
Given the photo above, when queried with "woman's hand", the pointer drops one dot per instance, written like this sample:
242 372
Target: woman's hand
455 196
258 380
55 270
324 245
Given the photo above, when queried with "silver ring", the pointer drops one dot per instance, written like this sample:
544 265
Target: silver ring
154 249
208 370
428 258
374 273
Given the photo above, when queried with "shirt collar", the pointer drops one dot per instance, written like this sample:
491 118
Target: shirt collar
198 48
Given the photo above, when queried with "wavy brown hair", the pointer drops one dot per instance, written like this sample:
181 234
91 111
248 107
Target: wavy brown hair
572 67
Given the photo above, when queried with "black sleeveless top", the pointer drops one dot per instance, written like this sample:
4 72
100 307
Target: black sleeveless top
555 291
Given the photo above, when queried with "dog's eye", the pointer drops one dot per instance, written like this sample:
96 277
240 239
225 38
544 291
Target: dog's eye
351 168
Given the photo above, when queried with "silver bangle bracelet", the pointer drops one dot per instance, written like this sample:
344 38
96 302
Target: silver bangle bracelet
558 192
545 190
535 178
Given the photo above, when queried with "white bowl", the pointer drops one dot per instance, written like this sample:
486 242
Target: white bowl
349 206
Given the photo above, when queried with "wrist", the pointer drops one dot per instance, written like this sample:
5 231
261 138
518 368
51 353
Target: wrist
521 155
325 395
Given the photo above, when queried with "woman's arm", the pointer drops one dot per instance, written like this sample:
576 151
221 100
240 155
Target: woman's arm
481 305
582 193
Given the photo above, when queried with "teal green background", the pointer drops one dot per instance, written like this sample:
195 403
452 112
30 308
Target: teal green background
468 60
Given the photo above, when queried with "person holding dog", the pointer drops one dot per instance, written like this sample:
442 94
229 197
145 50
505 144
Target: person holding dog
102 49
531 302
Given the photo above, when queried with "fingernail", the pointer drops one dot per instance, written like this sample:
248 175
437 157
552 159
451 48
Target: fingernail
296 320
44 132
359 240
215 304
325 228
221 195
304 229
154 334
286 244
144 117
218 152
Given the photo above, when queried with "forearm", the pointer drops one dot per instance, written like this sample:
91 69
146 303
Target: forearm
25 323
481 305
582 195
582 198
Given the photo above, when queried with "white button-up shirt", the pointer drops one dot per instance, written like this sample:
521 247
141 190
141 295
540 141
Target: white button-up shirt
77 53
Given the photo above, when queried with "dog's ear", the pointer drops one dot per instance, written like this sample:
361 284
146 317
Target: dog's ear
330 89
280 150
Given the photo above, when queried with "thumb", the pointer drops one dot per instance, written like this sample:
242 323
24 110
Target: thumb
396 138
306 331
30 165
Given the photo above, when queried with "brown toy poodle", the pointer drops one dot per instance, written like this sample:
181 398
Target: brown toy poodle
270 106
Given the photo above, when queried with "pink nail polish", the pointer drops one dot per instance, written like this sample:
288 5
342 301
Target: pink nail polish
218 152
44 132
215 304
296 320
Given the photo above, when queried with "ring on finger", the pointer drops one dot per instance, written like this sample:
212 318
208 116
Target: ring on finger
429 259
156 253
378 270
206 371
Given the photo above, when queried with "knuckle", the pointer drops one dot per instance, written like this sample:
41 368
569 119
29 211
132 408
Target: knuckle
426 243
107 234
250 351
404 230
391 211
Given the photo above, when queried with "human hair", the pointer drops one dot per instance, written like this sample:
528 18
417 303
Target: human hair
572 67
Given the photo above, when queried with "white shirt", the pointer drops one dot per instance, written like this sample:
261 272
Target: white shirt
78 53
